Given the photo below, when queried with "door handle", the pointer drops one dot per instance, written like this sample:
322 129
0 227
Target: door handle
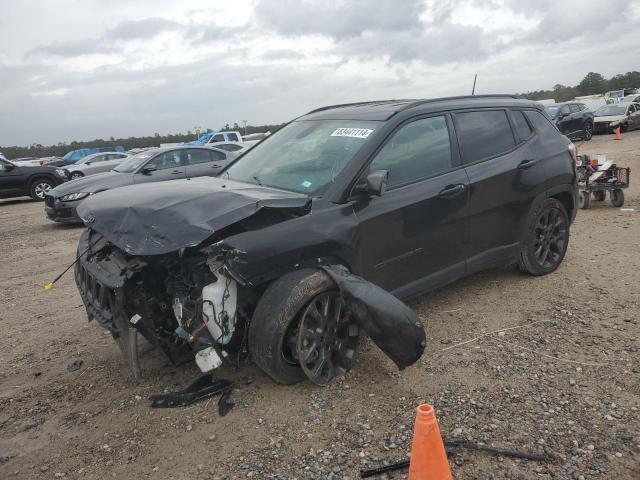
452 190
215 166
176 172
523 165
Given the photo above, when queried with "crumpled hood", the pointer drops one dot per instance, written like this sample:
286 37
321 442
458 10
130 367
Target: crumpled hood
158 218
94 183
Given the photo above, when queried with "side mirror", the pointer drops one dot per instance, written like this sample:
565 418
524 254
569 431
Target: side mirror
7 167
148 169
377 182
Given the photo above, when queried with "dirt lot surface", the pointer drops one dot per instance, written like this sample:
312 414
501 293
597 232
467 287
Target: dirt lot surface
567 384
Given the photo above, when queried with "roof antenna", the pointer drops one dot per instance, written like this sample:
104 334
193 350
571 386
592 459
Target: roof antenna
473 90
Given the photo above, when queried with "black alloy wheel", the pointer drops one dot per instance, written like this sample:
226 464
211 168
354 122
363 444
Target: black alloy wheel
588 132
327 338
551 236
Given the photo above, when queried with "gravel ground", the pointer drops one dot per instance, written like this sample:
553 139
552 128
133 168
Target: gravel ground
566 383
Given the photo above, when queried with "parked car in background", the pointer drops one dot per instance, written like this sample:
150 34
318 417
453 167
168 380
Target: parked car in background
310 238
573 119
96 163
623 115
232 147
153 165
216 137
76 155
633 98
21 180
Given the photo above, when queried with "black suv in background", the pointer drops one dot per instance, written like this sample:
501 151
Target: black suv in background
575 120
17 180
312 236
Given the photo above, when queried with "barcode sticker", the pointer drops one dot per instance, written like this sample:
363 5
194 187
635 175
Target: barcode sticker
352 132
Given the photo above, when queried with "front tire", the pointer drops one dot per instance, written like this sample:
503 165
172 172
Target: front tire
547 238
587 132
274 336
584 200
39 188
76 175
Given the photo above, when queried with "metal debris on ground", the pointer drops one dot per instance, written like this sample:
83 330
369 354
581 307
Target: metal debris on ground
204 387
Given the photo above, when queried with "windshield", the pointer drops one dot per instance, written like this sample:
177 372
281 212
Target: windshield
131 164
610 110
305 156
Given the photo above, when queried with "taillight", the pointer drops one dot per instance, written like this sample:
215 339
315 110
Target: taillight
573 151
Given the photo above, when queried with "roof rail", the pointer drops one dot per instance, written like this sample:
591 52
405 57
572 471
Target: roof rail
460 97
356 104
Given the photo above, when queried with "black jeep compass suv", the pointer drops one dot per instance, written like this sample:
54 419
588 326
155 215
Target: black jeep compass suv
313 236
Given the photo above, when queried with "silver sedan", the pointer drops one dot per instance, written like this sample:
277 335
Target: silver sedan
96 163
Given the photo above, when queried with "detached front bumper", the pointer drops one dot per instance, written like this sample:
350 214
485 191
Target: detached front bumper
602 127
61 212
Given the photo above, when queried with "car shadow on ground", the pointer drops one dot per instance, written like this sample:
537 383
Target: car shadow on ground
17 201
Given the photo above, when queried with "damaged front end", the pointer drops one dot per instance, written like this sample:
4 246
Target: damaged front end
181 302
186 269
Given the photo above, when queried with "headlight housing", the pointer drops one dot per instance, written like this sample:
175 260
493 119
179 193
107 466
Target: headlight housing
69 197
61 172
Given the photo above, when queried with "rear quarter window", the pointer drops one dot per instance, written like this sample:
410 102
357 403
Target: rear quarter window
484 134
542 125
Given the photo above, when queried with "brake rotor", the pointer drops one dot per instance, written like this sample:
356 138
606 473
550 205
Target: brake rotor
327 338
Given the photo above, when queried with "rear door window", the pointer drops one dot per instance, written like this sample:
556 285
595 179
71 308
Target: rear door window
541 123
418 150
196 156
484 134
574 108
523 129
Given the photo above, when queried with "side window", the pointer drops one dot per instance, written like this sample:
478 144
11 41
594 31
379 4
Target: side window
564 110
574 108
218 156
98 159
196 156
217 138
417 150
233 137
484 134
523 128
2 167
167 160
541 123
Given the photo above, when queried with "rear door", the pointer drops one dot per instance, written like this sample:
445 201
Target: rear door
504 176
204 162
411 238
168 166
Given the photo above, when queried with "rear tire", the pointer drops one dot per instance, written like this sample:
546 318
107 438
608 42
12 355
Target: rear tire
545 244
76 175
617 197
276 317
39 188
584 200
587 132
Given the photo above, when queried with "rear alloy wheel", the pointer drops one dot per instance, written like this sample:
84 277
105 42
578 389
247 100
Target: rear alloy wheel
588 132
76 175
599 195
40 188
584 200
617 197
547 239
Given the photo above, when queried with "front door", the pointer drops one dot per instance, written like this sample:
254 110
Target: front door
166 166
12 180
412 237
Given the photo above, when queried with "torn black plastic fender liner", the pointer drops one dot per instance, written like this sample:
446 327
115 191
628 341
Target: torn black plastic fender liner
391 324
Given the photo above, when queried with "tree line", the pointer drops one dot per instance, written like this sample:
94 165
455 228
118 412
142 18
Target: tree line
37 150
592 84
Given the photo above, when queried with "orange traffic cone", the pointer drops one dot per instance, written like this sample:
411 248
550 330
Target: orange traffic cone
428 456
618 134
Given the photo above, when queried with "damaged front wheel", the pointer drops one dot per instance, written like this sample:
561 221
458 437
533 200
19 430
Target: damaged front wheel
301 328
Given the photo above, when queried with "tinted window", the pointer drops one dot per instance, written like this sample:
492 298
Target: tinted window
565 110
418 150
196 156
574 108
232 137
541 123
484 134
217 138
166 160
522 126
229 147
217 155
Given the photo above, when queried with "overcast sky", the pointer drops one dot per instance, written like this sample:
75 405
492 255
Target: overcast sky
85 69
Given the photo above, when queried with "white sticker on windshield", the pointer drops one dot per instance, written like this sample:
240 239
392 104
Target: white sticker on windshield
352 132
